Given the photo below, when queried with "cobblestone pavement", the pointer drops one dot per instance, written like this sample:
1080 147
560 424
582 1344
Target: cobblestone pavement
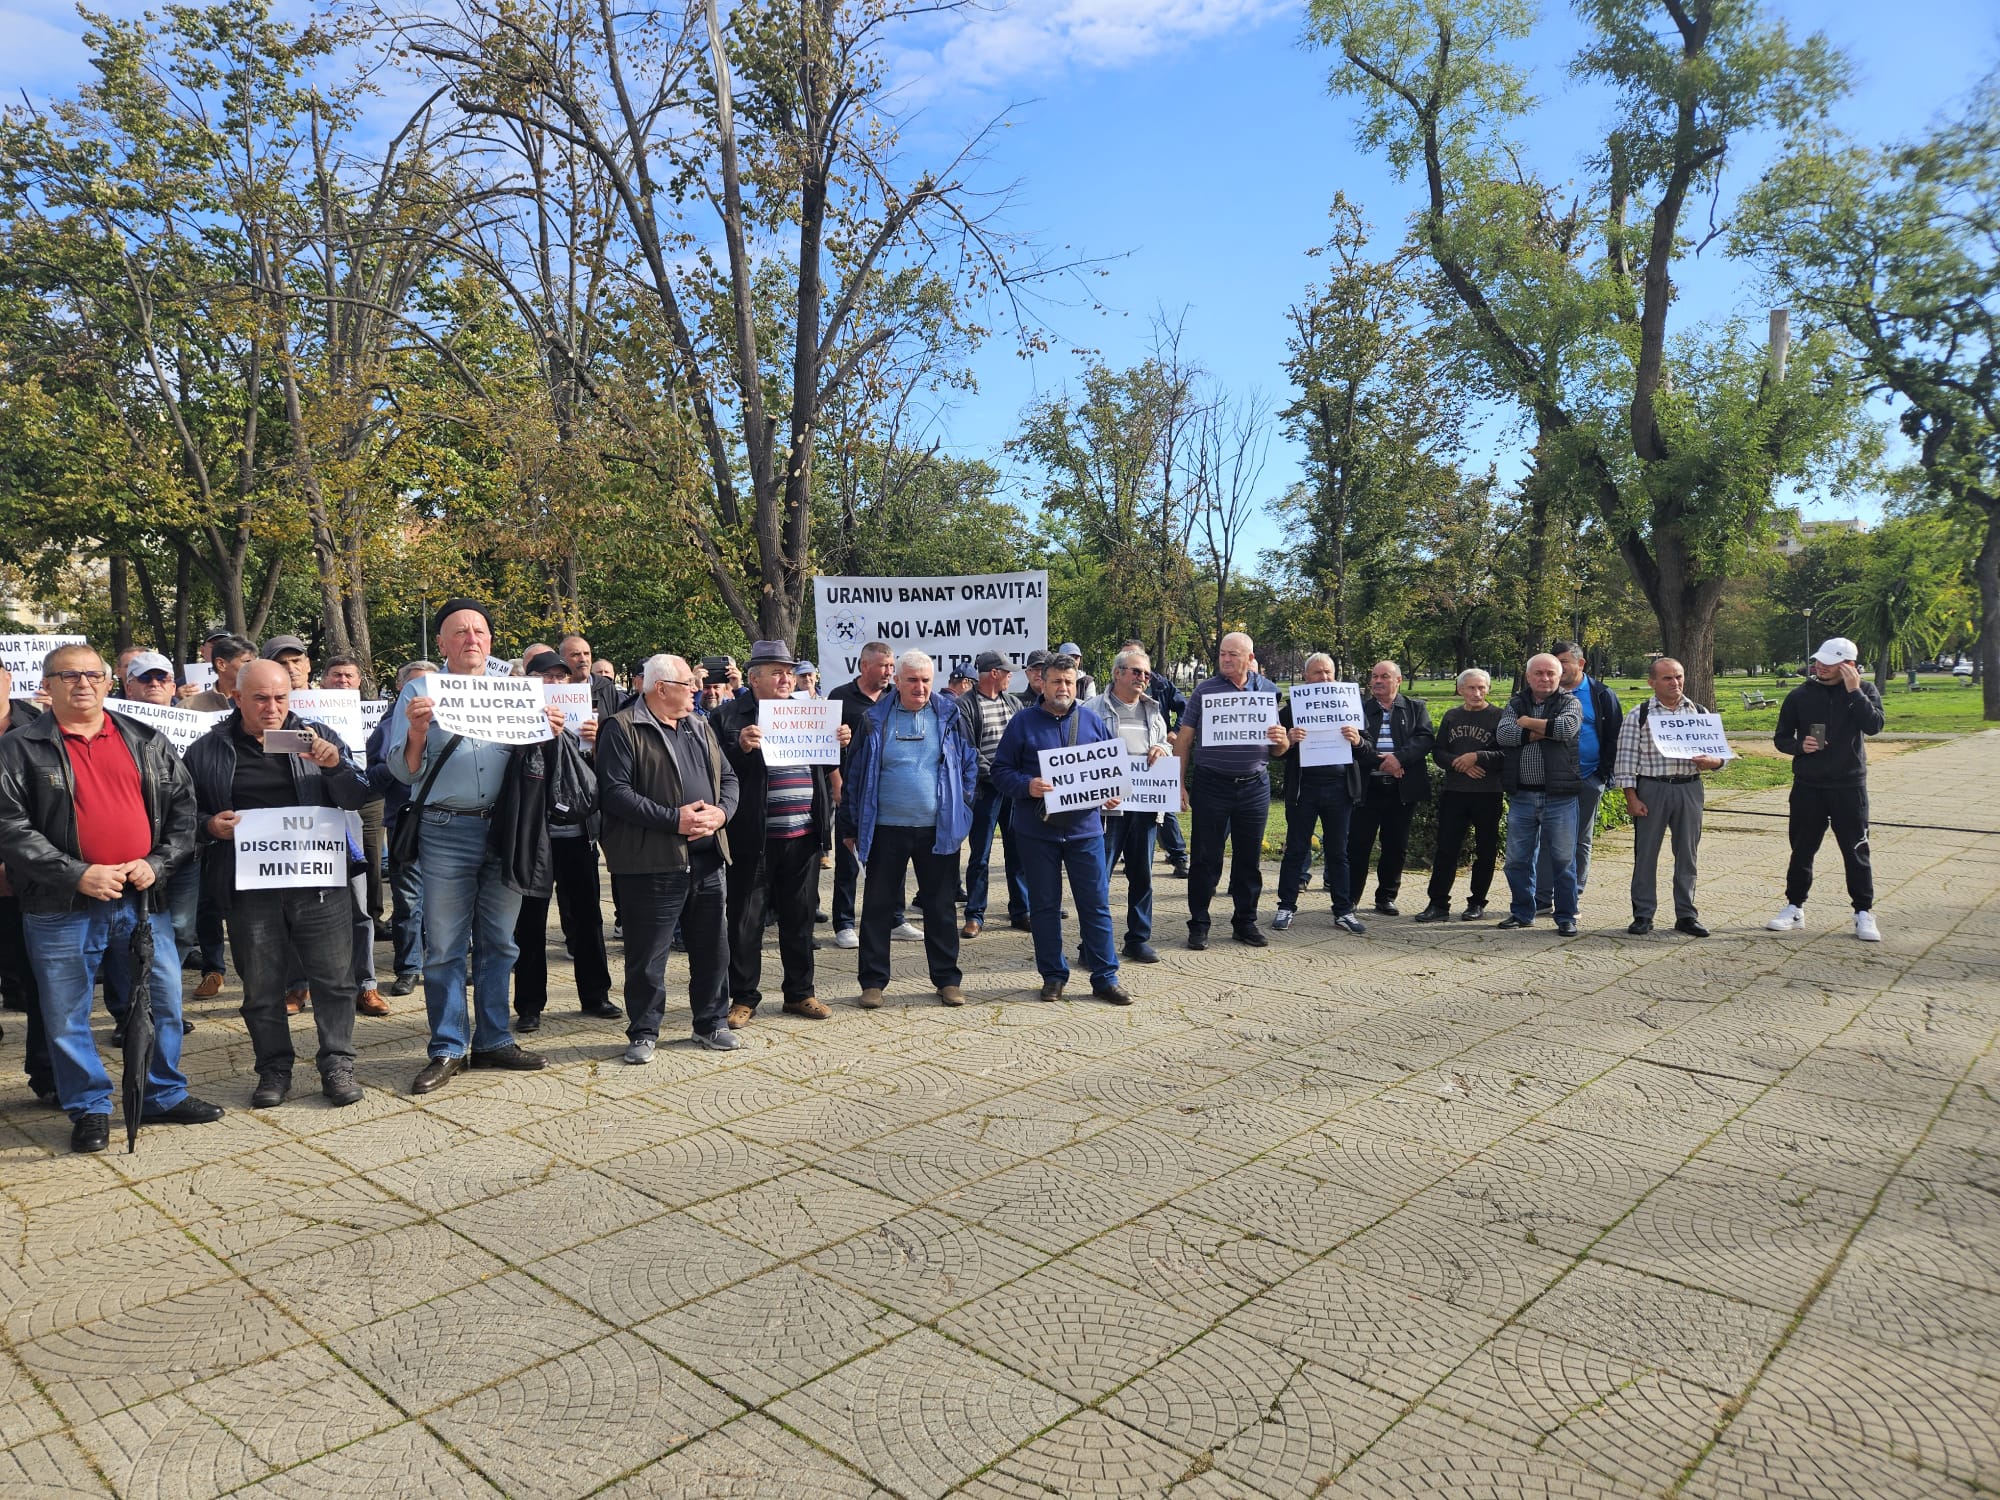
1437 1212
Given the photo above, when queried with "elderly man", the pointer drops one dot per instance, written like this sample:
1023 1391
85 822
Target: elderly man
1160 687
874 671
783 821
807 678
1537 735
1322 797
228 654
1393 756
1468 751
1228 791
406 883
1596 754
17 974
1137 718
575 652
94 812
149 678
986 711
269 929
468 907
1663 797
908 801
667 793
1824 725
289 652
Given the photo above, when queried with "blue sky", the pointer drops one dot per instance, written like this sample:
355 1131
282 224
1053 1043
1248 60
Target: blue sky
1194 143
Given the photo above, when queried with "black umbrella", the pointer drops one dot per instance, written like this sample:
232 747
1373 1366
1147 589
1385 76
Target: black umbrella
140 1038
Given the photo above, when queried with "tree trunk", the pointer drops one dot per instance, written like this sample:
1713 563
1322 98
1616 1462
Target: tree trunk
1988 570
183 603
121 605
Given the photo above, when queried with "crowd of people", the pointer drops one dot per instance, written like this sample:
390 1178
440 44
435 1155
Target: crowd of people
104 826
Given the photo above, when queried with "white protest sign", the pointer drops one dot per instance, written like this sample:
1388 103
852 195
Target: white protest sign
1152 789
1686 734
291 848
22 656
1323 709
799 733
950 619
373 711
1237 718
198 674
181 726
504 710
339 709
499 666
1084 776
573 698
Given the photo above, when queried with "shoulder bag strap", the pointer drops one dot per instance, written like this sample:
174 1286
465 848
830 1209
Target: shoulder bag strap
417 802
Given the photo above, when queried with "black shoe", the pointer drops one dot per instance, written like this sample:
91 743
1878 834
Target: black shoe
1020 924
820 915
1178 870
437 1073
1250 937
1511 922
1691 927
90 1133
47 1099
1140 953
190 1111
513 1057
1052 989
1640 926
1566 927
603 1010
1111 994
271 1090
1435 912
528 1025
339 1087
403 984
1386 909
1545 911
1197 941
1474 910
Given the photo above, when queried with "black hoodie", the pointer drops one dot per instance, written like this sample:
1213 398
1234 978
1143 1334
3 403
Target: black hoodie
1849 718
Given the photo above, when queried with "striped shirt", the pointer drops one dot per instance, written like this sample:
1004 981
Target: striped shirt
788 802
989 720
1636 755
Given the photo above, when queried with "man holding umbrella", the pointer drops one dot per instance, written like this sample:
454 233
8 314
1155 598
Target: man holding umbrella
95 811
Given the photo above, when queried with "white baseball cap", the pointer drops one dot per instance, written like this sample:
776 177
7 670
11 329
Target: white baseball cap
1836 650
148 661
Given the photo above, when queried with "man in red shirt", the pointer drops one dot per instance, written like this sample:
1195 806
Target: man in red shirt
95 811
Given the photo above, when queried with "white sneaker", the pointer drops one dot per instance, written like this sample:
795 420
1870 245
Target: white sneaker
847 937
907 932
1865 928
1789 919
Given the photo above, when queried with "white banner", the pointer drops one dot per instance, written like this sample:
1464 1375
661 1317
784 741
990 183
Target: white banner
499 666
1152 789
199 675
504 710
22 655
952 620
1684 735
1084 775
181 726
373 712
339 709
1323 709
573 698
799 733
291 848
1237 718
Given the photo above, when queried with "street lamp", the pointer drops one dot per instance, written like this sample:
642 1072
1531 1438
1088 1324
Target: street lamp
1807 612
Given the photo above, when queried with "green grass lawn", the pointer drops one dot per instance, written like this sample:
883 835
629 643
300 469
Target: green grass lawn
1942 705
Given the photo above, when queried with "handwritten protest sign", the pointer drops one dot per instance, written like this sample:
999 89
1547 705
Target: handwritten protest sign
181 726
1084 775
1152 789
198 674
499 666
799 733
1684 735
1322 710
22 656
503 710
573 698
291 848
1237 718
339 709
373 711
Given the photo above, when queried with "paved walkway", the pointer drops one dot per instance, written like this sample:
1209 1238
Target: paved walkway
1437 1212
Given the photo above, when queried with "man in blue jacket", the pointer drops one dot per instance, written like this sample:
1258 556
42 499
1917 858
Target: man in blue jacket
1052 842
908 801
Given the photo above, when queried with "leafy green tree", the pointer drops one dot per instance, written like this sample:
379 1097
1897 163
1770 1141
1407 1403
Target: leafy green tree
1907 600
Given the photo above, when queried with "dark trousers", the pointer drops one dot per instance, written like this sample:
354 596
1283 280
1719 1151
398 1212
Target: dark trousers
406 920
17 987
1325 804
579 909
1131 837
1172 840
1225 809
846 873
373 837
783 878
892 853
1457 812
209 935
990 812
1844 809
1382 811
654 905
268 932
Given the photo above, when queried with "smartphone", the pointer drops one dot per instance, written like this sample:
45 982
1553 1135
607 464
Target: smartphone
288 742
1817 731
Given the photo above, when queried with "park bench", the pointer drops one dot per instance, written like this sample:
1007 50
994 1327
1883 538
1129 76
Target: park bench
1756 699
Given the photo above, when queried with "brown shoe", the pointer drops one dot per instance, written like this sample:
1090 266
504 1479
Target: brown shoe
970 929
295 1001
871 999
951 994
370 1003
739 1016
210 986
809 1007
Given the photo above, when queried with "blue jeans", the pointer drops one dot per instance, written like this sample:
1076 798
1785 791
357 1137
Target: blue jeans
184 903
1132 836
406 927
989 812
465 904
1541 827
1587 797
67 948
1043 862
1327 804
1172 839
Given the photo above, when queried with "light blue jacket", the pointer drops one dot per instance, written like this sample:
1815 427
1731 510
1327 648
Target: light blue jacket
958 775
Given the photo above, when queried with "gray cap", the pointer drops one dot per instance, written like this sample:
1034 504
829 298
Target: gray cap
278 645
992 661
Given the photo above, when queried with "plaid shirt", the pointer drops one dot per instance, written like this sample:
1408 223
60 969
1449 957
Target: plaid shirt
1636 755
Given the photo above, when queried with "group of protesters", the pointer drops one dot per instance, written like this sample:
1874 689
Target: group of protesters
708 843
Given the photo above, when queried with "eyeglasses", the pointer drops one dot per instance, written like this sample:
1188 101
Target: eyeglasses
72 678
154 677
686 682
1140 671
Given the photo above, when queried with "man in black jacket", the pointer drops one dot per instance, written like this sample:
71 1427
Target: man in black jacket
272 930
1393 759
782 824
1537 735
1596 754
17 974
1823 725
95 812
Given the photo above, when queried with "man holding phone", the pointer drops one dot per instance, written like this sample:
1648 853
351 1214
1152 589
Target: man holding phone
1823 725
